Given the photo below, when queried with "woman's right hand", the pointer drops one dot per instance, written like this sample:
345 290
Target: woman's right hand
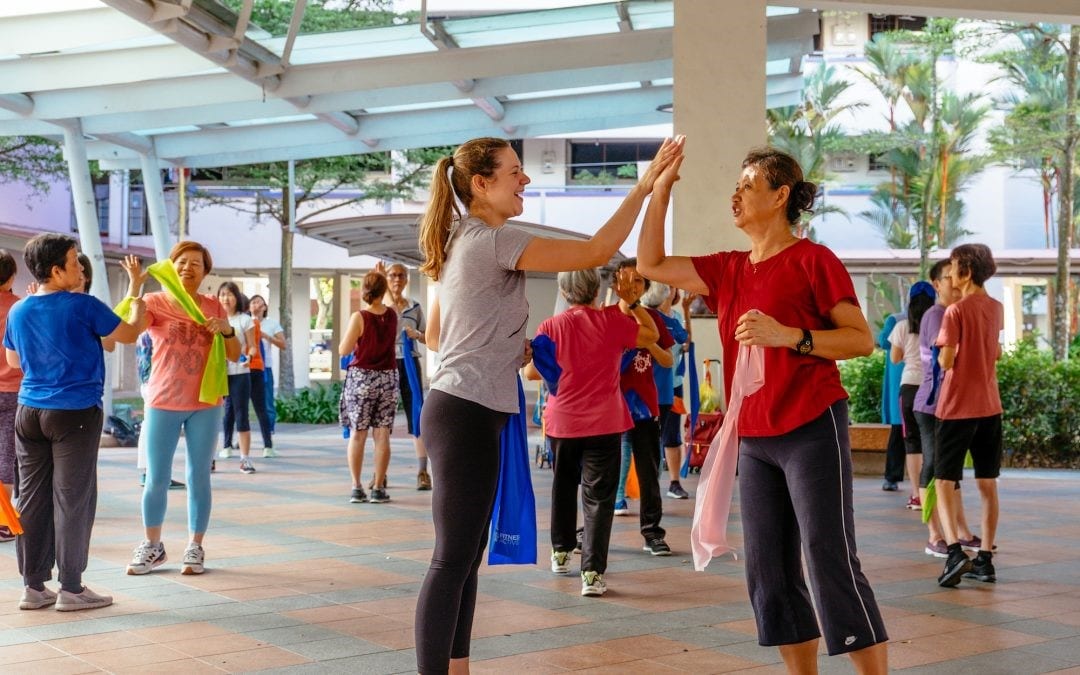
671 150
136 274
216 325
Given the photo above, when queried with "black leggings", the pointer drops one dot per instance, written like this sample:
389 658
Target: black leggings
462 440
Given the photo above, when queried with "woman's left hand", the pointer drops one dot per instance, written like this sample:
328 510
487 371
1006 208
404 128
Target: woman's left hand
217 326
756 328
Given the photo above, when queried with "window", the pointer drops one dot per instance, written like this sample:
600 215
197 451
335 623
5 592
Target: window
880 23
843 162
608 161
101 201
876 162
138 217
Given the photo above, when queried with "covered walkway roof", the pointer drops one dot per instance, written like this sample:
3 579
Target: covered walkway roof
193 84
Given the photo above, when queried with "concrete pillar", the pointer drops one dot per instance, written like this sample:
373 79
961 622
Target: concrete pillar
300 340
82 193
154 194
341 312
272 295
719 97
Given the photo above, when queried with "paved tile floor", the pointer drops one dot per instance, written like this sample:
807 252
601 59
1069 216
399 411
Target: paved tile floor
299 580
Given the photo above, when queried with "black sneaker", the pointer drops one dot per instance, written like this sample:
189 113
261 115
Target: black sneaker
982 569
358 496
955 566
676 491
657 547
379 496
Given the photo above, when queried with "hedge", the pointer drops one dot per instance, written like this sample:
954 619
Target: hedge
1040 398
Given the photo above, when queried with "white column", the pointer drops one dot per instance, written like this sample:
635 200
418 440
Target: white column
154 194
341 311
720 106
300 340
272 312
719 98
82 193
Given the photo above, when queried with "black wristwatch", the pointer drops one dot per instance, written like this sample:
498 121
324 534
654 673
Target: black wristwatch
806 344
230 335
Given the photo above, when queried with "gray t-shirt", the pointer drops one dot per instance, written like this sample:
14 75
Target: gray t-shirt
411 317
482 315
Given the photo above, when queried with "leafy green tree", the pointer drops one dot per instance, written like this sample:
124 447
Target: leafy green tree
31 160
1041 132
931 157
809 131
321 16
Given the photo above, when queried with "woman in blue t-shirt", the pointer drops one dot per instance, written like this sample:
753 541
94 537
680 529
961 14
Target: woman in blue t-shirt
55 337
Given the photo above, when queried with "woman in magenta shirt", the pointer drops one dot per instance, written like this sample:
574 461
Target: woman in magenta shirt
585 416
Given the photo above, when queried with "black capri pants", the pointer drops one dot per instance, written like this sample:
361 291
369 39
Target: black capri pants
462 440
795 489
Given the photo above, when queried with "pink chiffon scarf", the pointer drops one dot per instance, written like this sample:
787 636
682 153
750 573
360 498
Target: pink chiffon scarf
708 533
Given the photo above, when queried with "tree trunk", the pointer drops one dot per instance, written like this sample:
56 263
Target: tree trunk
1060 330
286 378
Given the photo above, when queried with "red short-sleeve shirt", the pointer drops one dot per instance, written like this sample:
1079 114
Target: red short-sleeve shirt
638 376
969 389
798 287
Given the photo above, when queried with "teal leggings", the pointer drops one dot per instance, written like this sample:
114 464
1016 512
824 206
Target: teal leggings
162 429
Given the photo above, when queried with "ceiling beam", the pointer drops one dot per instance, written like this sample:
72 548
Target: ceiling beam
1044 11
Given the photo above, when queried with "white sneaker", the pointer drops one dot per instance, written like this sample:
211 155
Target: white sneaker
32 599
193 559
226 452
73 602
560 562
146 557
246 466
269 453
592 584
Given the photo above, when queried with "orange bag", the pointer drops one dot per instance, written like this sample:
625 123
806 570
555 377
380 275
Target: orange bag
631 489
9 517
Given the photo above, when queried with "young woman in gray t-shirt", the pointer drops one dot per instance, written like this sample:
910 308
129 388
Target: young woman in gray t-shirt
478 325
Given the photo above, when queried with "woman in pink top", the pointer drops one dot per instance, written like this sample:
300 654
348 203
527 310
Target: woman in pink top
585 416
181 348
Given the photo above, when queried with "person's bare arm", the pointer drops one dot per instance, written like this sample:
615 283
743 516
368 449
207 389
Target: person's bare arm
947 356
277 339
13 359
653 262
896 354
557 255
127 332
850 338
531 373
662 356
431 335
352 333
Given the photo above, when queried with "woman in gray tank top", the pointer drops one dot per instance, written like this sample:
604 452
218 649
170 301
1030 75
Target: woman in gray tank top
478 325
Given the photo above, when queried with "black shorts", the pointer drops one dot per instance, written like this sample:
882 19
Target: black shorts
670 428
980 435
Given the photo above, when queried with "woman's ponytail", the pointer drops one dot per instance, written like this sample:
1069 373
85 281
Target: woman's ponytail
438 218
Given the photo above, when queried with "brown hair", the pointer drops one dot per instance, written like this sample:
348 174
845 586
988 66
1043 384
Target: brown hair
374 286
780 168
453 177
7 266
976 260
88 272
183 247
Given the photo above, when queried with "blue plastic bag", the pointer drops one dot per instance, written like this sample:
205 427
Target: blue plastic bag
414 383
513 520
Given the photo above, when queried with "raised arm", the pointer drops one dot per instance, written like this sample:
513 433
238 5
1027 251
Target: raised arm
557 255
653 262
128 331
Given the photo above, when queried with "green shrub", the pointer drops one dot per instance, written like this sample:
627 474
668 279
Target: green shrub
862 377
1040 398
314 405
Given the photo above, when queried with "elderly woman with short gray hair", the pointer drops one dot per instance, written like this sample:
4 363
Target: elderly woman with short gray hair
585 415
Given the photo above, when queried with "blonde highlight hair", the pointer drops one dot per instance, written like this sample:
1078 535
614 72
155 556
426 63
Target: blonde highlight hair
453 178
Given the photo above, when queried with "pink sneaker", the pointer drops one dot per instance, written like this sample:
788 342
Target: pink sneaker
914 503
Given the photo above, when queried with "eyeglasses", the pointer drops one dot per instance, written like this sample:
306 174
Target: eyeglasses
397 275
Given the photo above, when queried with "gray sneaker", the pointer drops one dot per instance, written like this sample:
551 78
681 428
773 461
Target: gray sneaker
357 496
73 602
193 559
32 599
379 496
592 584
246 465
146 557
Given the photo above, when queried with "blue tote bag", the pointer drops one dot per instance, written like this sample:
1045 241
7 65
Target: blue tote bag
414 383
513 520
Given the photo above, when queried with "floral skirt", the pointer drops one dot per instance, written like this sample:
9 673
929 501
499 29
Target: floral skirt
368 399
